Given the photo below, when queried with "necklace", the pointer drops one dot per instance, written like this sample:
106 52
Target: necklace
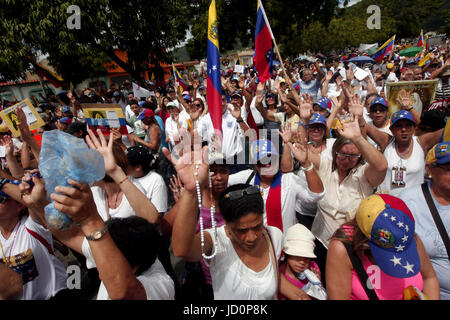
6 260
401 154
212 210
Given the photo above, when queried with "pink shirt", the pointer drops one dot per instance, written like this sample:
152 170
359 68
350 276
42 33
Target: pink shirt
386 287
205 213
299 283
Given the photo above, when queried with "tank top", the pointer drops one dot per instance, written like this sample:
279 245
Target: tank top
414 165
386 287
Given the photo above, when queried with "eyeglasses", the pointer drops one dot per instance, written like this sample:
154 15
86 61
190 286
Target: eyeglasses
349 156
237 194
198 105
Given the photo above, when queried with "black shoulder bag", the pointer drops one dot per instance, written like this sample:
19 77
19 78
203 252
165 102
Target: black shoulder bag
436 218
362 274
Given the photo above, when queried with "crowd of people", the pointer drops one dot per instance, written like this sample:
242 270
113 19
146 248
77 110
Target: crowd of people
313 189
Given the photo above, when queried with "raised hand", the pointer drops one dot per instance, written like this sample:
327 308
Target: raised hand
187 163
33 195
328 76
404 100
300 150
105 149
306 108
355 106
235 111
286 133
23 124
350 128
78 202
7 142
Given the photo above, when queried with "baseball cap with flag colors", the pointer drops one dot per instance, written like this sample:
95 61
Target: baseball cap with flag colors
261 149
147 113
400 115
324 103
439 154
389 225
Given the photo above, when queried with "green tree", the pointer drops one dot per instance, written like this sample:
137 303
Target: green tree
143 28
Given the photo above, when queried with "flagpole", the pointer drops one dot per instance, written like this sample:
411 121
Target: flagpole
174 79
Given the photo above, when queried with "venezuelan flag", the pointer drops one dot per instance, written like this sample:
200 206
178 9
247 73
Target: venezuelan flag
384 49
46 74
427 43
177 77
420 42
263 58
214 84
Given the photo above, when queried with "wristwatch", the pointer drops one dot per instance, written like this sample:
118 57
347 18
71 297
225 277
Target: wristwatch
97 235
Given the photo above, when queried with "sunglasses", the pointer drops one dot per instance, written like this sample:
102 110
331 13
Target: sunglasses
348 156
198 105
375 110
238 194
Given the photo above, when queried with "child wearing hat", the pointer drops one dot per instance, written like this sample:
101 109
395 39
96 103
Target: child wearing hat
299 267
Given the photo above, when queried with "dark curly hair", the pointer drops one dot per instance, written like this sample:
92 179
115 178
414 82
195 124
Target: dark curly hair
137 239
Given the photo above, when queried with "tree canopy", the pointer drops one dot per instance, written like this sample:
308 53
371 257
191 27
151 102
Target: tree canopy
143 28
147 29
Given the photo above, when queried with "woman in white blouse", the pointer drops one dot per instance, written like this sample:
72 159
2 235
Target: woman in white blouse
242 254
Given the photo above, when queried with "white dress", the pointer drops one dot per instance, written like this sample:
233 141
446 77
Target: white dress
233 280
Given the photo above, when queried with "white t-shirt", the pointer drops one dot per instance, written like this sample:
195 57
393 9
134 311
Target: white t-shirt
43 275
128 112
232 279
157 283
231 144
172 127
294 188
155 190
124 209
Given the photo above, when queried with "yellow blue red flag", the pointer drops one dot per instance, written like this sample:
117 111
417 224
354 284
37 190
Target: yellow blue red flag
178 78
384 49
214 84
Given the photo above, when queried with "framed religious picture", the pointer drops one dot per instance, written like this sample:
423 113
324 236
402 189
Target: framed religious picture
421 94
105 117
10 119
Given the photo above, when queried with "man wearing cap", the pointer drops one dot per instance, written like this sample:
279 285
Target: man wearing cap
323 106
133 122
63 123
309 83
438 168
232 124
378 113
280 190
174 123
118 98
404 152
390 71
